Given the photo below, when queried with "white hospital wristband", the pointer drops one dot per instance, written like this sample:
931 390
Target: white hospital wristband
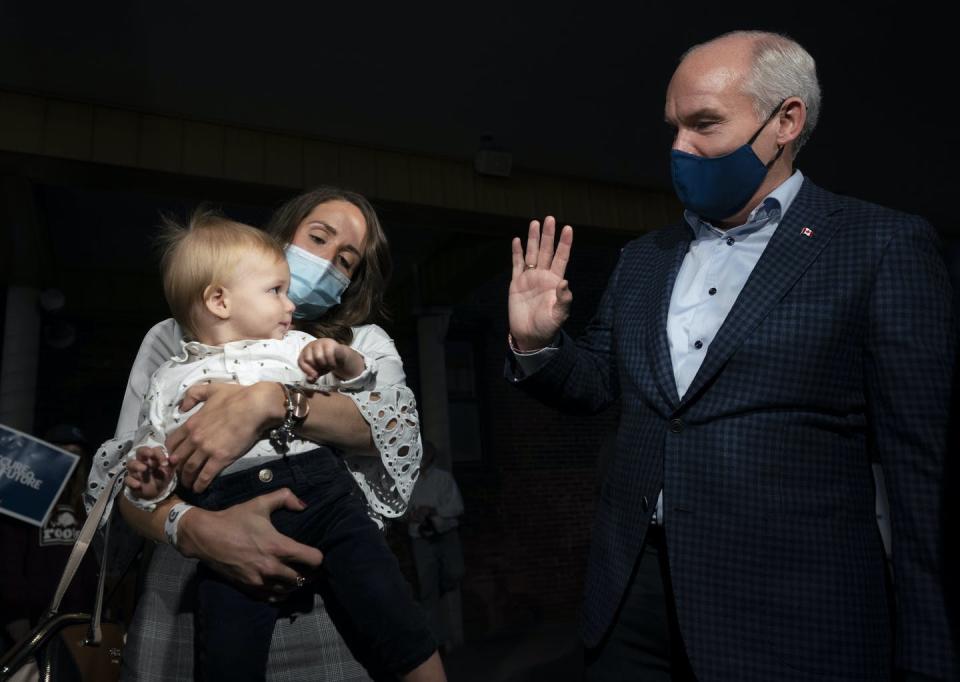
172 522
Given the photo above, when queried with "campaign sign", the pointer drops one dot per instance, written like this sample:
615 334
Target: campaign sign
33 473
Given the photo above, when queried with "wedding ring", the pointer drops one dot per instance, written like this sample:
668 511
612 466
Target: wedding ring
527 266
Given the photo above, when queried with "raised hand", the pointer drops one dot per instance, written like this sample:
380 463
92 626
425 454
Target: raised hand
540 297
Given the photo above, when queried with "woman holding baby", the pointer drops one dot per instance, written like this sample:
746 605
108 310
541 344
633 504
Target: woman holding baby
339 265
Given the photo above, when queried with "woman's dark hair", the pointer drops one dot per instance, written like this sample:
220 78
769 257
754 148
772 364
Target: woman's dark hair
362 302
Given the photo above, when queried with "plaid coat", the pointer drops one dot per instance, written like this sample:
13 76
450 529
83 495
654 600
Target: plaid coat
840 348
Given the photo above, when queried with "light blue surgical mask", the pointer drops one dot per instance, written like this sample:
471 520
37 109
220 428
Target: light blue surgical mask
720 186
315 284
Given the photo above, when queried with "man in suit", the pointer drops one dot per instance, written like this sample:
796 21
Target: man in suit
762 349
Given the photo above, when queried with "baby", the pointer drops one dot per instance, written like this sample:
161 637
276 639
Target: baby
226 284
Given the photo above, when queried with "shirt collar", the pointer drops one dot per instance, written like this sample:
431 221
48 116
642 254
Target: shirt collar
770 210
195 349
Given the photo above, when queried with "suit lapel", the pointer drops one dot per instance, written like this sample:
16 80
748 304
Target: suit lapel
671 254
797 241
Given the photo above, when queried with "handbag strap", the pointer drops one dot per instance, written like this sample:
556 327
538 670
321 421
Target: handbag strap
95 634
79 550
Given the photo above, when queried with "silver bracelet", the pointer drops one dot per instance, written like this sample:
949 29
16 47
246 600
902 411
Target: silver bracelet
296 408
172 522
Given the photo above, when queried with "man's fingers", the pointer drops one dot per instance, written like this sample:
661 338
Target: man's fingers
545 257
533 243
564 295
516 253
562 256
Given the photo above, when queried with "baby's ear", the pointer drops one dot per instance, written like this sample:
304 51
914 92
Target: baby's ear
216 299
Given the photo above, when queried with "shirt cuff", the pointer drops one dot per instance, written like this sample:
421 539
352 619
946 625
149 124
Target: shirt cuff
143 503
151 505
531 361
365 381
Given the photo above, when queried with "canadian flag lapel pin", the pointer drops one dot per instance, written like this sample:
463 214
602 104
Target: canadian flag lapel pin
806 231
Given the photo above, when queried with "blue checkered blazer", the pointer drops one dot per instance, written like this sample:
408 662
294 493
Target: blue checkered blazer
841 347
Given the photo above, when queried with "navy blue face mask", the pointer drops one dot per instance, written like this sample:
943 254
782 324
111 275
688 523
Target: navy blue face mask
718 187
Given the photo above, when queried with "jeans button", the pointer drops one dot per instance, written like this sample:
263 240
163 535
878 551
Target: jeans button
265 475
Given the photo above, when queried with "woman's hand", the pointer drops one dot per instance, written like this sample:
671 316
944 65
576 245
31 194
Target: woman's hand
230 422
241 543
540 297
234 417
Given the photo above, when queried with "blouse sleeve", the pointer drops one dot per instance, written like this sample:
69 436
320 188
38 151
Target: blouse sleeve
391 411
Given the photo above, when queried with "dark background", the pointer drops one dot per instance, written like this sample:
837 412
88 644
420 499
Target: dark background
574 88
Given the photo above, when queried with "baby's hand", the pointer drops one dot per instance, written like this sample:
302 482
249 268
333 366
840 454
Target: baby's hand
326 355
149 473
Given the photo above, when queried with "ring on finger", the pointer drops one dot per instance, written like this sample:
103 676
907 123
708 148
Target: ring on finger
527 266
